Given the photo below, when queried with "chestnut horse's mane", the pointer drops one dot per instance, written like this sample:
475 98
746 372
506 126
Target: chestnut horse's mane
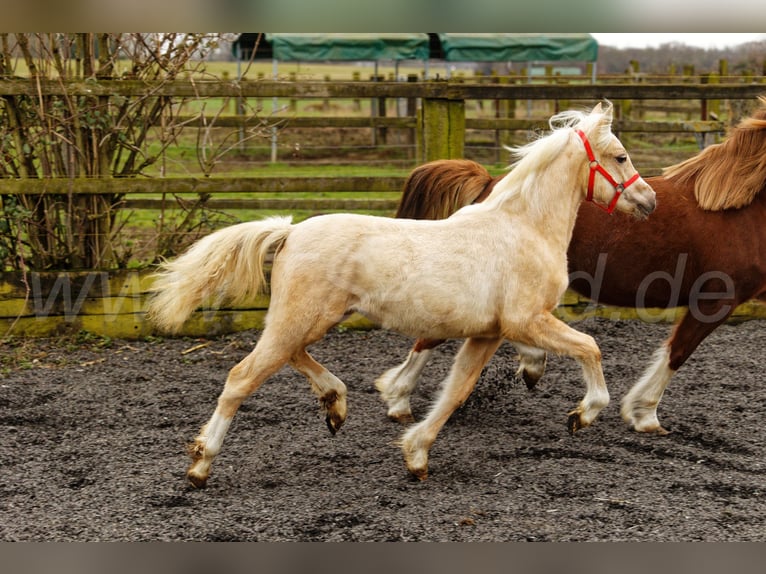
443 187
728 175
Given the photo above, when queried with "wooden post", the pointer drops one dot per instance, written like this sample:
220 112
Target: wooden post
723 67
713 106
356 76
377 109
293 103
258 101
502 110
478 76
411 137
442 130
326 102
383 112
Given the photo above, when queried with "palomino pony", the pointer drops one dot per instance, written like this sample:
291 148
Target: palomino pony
399 273
703 248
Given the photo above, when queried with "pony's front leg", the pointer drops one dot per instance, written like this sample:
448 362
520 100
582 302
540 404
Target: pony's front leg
242 381
457 387
639 406
396 385
555 336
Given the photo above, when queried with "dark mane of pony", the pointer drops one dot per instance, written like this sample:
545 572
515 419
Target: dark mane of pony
437 189
731 174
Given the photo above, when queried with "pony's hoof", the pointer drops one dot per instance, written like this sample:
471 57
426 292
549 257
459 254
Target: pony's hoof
420 473
334 405
529 380
196 481
333 424
656 430
573 422
403 418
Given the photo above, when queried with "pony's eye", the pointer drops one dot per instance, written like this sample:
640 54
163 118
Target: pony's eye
622 158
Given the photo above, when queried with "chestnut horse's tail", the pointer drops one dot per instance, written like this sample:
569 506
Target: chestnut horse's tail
437 189
226 265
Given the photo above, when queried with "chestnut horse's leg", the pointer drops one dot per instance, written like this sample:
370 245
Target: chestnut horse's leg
639 406
465 371
396 384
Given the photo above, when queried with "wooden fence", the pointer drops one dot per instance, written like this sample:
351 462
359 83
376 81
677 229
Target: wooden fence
112 303
440 122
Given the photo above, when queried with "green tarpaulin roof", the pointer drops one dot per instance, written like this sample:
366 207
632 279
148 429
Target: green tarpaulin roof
339 47
450 47
518 47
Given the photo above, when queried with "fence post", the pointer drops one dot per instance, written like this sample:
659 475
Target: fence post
502 110
412 110
377 109
442 128
357 76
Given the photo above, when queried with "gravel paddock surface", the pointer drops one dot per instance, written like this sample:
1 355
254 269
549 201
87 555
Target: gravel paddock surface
96 431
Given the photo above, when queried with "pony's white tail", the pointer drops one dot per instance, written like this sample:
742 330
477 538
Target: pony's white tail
226 265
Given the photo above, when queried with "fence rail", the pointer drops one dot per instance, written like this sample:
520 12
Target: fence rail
204 185
112 304
440 90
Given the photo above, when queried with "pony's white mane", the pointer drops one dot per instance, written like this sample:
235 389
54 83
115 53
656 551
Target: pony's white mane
546 147
537 155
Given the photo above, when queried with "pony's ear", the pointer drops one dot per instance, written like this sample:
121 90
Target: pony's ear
606 112
596 109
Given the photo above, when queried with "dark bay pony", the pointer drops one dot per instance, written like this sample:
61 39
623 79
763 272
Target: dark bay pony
703 248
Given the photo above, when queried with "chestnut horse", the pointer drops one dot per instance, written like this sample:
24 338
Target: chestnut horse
416 277
704 248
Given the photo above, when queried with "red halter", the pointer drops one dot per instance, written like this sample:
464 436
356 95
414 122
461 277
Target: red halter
596 167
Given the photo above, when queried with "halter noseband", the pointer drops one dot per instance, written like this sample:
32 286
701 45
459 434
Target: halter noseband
596 167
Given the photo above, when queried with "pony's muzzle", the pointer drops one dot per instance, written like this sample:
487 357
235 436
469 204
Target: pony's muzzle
644 200
645 208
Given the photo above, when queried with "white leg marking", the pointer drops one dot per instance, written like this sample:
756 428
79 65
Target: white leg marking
396 385
465 371
214 433
639 406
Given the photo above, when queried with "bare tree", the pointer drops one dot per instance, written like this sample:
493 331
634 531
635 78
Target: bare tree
99 136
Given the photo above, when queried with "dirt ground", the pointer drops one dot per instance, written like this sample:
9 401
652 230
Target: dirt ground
95 433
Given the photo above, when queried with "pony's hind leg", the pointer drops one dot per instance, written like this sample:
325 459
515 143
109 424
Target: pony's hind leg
243 380
396 385
330 390
457 387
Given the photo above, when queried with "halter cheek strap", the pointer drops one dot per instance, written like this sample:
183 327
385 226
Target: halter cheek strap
595 166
